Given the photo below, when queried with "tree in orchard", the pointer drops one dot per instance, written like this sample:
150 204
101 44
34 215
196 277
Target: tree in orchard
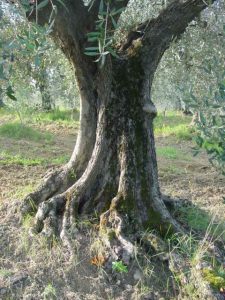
112 172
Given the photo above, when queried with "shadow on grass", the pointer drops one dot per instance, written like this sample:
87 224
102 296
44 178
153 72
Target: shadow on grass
195 219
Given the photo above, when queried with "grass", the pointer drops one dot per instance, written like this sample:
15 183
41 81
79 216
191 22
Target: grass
173 124
20 131
9 159
66 117
171 170
199 220
33 116
62 115
5 273
171 153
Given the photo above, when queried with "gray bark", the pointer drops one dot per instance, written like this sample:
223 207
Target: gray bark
114 163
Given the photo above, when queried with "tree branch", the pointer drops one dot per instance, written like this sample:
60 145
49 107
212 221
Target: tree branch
172 21
156 35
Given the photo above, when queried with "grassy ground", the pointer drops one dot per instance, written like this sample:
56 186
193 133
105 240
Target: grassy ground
34 143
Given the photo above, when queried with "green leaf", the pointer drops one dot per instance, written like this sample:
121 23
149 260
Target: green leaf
94 34
112 52
92 39
91 48
118 266
91 53
42 4
37 61
114 23
101 7
10 92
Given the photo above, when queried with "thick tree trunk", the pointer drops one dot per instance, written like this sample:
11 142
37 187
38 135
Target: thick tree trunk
112 172
113 168
127 167
118 180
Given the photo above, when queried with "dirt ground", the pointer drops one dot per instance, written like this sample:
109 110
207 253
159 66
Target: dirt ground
30 270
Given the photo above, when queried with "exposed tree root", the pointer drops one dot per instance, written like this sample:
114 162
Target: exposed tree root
111 228
53 183
57 217
47 216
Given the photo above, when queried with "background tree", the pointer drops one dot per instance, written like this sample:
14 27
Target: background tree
31 65
192 72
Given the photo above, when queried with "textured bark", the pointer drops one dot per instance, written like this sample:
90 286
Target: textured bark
113 172
113 169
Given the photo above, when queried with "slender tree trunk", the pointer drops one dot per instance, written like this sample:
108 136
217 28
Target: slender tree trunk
46 99
2 104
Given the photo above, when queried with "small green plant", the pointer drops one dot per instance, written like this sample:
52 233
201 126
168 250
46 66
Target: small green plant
119 266
5 273
49 292
215 277
184 244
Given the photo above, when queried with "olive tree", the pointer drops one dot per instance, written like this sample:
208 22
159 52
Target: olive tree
112 172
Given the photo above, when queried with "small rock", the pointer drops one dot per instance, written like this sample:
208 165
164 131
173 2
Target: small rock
3 291
128 287
137 275
149 296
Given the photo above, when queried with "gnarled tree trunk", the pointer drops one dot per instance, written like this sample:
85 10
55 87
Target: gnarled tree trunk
113 169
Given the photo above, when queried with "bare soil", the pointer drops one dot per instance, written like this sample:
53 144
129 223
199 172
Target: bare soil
30 269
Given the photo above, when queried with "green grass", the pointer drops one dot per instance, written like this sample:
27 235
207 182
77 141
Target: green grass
200 220
63 115
171 153
9 159
5 273
32 116
173 124
167 152
20 131
3 111
171 169
69 117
